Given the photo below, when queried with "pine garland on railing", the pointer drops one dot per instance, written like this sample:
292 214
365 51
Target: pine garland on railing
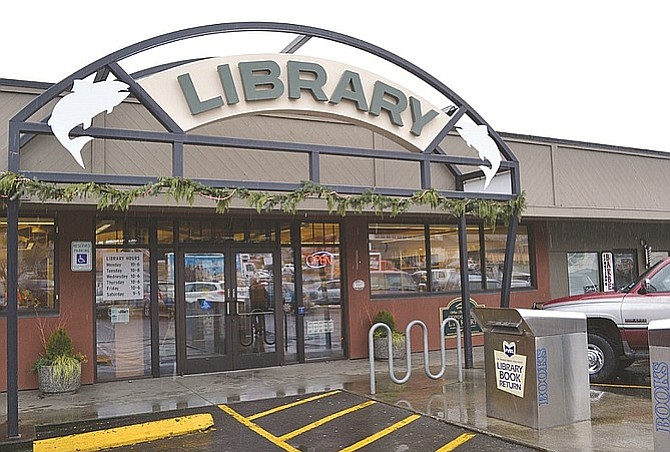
13 186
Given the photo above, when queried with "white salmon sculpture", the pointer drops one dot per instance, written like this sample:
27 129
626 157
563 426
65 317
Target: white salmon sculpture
85 102
477 136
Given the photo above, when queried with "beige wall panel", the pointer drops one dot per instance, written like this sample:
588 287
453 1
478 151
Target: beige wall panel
441 178
244 164
604 180
290 129
536 172
398 174
383 143
395 173
132 115
10 104
45 153
340 170
454 145
136 158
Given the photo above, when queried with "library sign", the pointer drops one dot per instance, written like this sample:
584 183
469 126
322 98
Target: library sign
208 90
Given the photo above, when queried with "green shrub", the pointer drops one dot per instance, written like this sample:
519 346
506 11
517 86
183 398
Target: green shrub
59 352
386 318
59 344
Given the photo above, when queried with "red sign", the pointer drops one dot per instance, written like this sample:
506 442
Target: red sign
319 259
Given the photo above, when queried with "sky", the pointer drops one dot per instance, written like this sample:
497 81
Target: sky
594 71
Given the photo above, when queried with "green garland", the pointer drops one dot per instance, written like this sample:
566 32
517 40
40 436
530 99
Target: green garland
13 186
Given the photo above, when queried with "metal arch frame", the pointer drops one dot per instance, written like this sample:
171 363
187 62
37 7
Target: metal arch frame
19 125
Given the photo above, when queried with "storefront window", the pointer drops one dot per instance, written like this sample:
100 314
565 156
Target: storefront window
445 262
165 232
227 230
495 245
397 258
289 305
167 350
625 268
399 262
36 264
583 273
321 290
122 302
122 232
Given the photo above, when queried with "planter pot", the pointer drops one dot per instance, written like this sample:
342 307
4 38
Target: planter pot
51 385
382 348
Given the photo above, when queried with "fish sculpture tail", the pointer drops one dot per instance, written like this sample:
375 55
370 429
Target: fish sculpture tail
75 147
489 173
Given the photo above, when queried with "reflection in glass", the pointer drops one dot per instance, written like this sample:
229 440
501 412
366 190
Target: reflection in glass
36 264
322 298
397 256
167 351
123 330
495 244
583 273
255 303
204 293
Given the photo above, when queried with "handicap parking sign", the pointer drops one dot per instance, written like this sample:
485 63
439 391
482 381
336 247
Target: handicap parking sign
205 305
81 256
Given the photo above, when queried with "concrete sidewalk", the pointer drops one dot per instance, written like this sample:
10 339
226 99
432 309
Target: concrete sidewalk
621 418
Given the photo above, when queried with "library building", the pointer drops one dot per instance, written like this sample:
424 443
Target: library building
211 212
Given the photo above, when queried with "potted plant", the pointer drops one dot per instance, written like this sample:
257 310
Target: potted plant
58 369
381 341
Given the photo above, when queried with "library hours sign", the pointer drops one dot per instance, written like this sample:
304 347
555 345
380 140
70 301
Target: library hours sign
123 276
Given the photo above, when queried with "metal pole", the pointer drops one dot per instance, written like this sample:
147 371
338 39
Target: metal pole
509 261
465 289
12 319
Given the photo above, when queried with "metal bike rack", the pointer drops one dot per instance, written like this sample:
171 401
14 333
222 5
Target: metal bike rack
408 343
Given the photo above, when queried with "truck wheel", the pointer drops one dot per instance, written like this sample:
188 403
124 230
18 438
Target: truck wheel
602 359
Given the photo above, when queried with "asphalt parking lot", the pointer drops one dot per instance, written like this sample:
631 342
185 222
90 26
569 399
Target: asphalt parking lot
333 420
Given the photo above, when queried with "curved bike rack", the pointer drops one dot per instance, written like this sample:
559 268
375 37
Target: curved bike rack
408 344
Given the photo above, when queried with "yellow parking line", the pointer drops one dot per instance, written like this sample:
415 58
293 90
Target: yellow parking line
126 435
324 420
451 445
258 429
372 438
291 405
621 386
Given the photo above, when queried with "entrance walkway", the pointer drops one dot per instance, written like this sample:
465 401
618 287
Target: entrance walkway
621 417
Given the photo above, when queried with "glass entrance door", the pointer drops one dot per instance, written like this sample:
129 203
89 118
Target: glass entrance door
229 310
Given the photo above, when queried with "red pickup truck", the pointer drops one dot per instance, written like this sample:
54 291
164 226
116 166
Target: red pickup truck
617 321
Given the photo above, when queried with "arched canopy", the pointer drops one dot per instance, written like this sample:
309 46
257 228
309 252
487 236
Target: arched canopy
387 100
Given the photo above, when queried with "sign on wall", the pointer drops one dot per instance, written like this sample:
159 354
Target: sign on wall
123 276
608 272
81 253
455 310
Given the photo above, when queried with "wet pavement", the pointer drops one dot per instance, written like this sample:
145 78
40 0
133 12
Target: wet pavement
621 414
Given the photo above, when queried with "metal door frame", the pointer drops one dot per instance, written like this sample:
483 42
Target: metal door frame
232 359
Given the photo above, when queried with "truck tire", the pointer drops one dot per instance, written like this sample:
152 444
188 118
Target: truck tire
603 361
